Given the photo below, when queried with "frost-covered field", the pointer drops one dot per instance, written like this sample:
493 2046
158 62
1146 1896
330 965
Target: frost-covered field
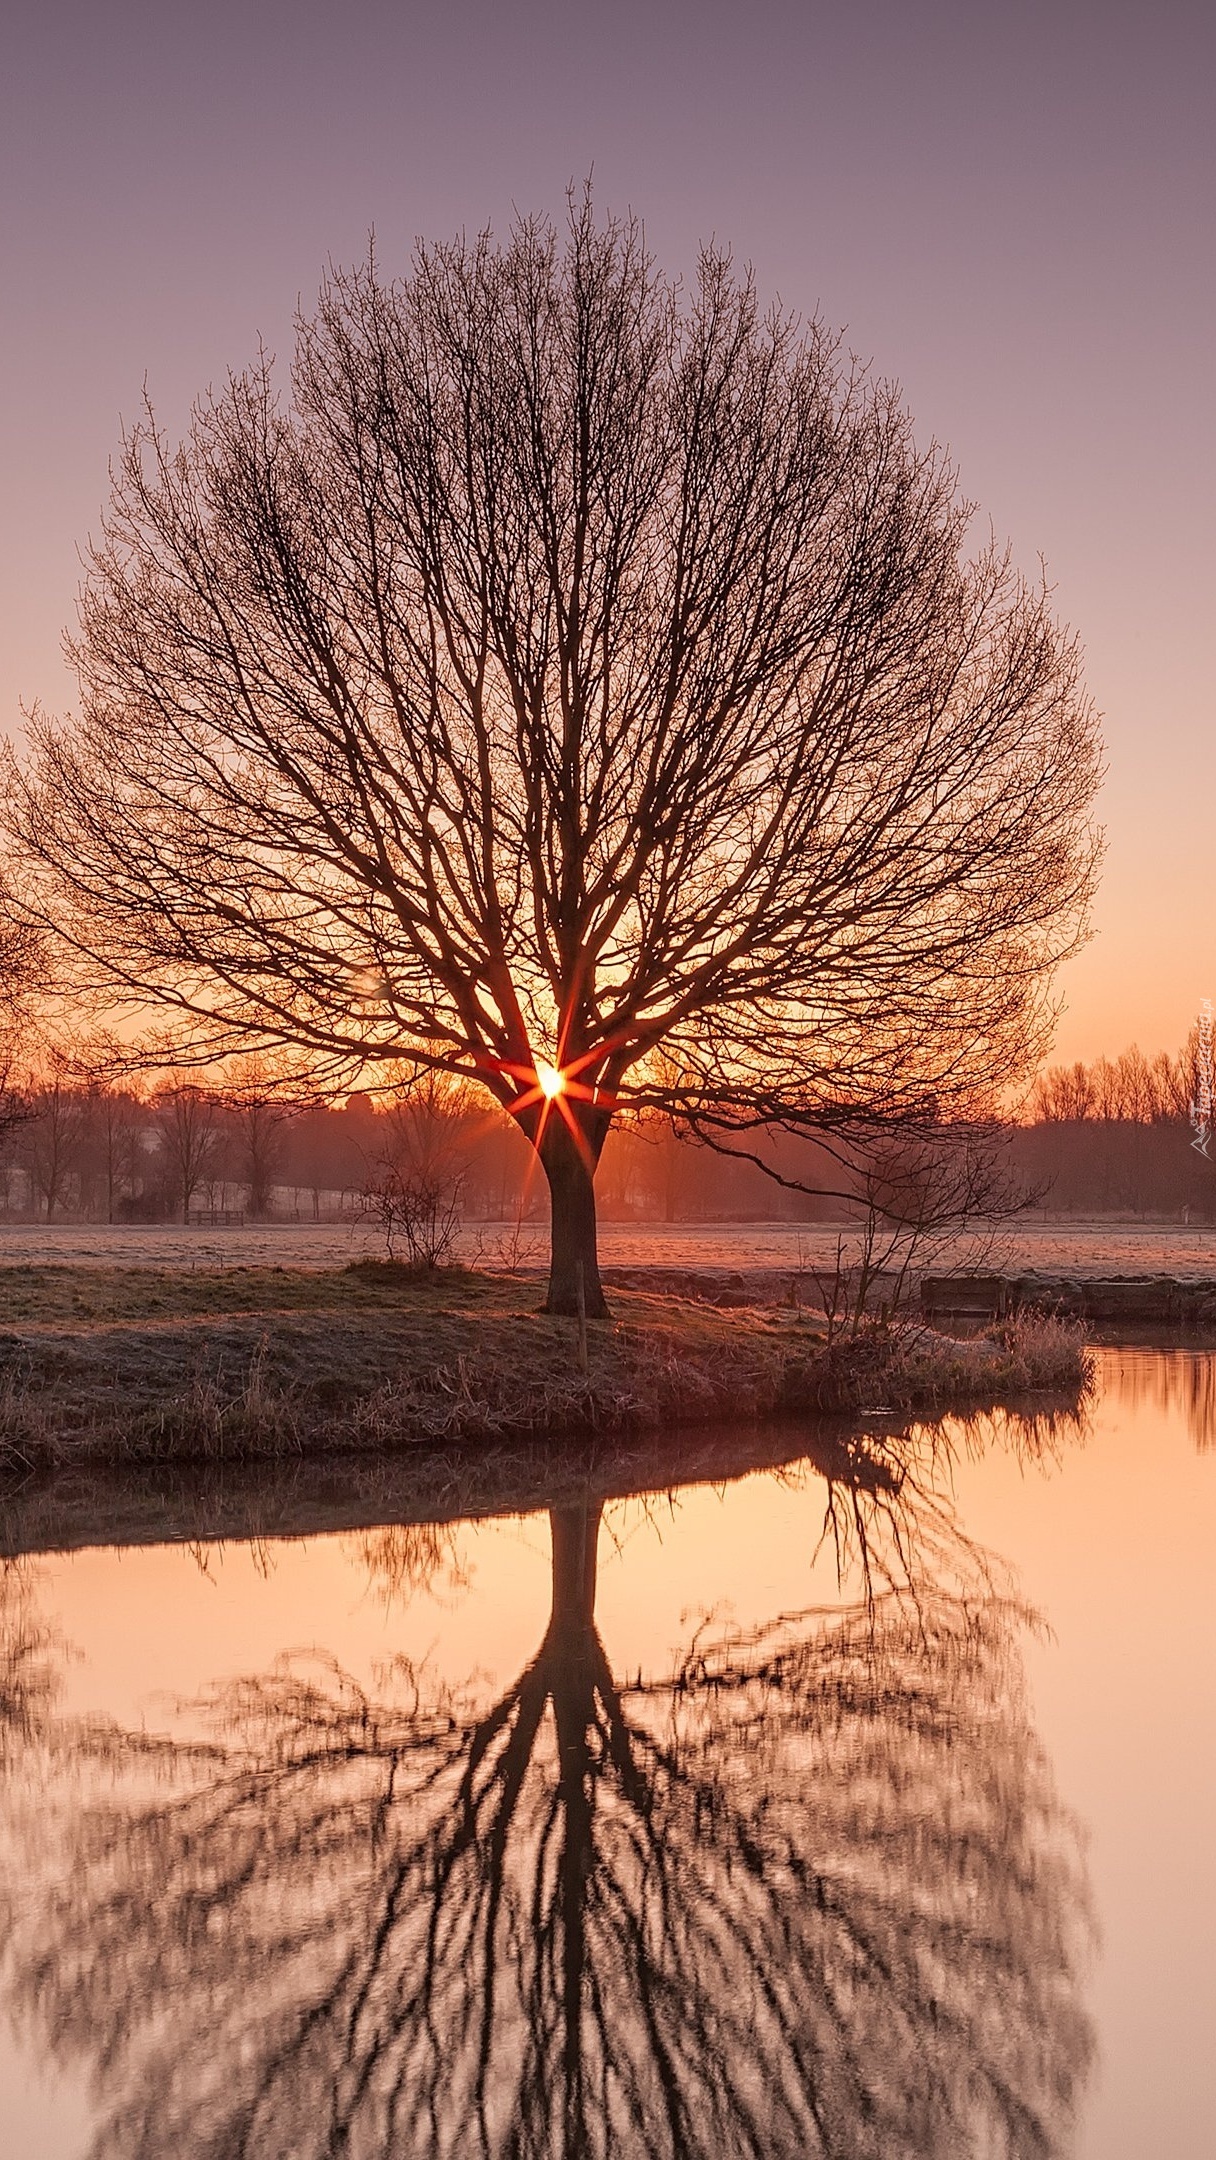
1068 1248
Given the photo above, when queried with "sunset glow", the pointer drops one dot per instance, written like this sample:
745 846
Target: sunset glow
549 1080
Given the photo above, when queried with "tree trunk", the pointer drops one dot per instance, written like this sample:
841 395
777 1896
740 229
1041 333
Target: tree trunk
574 1532
573 1254
576 1660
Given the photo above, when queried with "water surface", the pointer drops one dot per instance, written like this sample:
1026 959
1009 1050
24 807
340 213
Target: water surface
669 1824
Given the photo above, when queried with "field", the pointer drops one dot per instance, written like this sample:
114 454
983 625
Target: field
1067 1247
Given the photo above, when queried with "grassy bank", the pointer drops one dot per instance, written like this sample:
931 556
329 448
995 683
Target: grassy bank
145 1365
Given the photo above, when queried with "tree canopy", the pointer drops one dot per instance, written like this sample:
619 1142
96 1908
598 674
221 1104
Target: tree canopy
579 682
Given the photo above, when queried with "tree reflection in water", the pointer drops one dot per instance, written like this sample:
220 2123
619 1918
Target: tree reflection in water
810 1893
28 1663
1177 1382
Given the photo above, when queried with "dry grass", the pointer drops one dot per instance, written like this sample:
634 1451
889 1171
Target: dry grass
102 1364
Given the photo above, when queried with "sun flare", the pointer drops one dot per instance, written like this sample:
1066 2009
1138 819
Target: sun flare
548 1079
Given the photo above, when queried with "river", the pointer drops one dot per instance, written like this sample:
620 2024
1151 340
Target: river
779 1812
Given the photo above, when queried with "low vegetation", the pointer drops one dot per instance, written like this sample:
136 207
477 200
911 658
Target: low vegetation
137 1365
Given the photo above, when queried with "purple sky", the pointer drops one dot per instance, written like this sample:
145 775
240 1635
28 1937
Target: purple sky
1010 210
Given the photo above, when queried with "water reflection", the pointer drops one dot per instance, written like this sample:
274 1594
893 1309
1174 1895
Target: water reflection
1176 1383
28 1664
809 1892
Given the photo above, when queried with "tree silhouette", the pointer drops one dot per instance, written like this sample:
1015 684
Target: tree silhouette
809 1894
573 665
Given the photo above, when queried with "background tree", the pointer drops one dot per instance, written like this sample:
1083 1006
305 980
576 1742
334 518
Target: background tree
416 1176
570 664
258 1096
110 1143
56 1119
189 1134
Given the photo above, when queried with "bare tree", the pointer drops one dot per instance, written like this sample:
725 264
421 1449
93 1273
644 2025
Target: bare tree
809 1894
263 1099
572 663
1062 1095
188 1132
416 1178
911 1194
56 1125
110 1148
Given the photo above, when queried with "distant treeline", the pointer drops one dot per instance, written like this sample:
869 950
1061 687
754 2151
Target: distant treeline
112 1154
1115 1137
1109 1137
1128 1090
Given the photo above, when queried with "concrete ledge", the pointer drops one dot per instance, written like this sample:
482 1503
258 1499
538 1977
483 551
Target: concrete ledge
1170 1300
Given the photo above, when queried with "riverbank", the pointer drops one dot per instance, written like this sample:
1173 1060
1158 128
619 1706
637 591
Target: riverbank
144 1366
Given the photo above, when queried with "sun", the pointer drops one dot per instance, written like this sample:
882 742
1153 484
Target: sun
548 1079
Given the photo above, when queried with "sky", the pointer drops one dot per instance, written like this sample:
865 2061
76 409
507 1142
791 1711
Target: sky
1007 209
